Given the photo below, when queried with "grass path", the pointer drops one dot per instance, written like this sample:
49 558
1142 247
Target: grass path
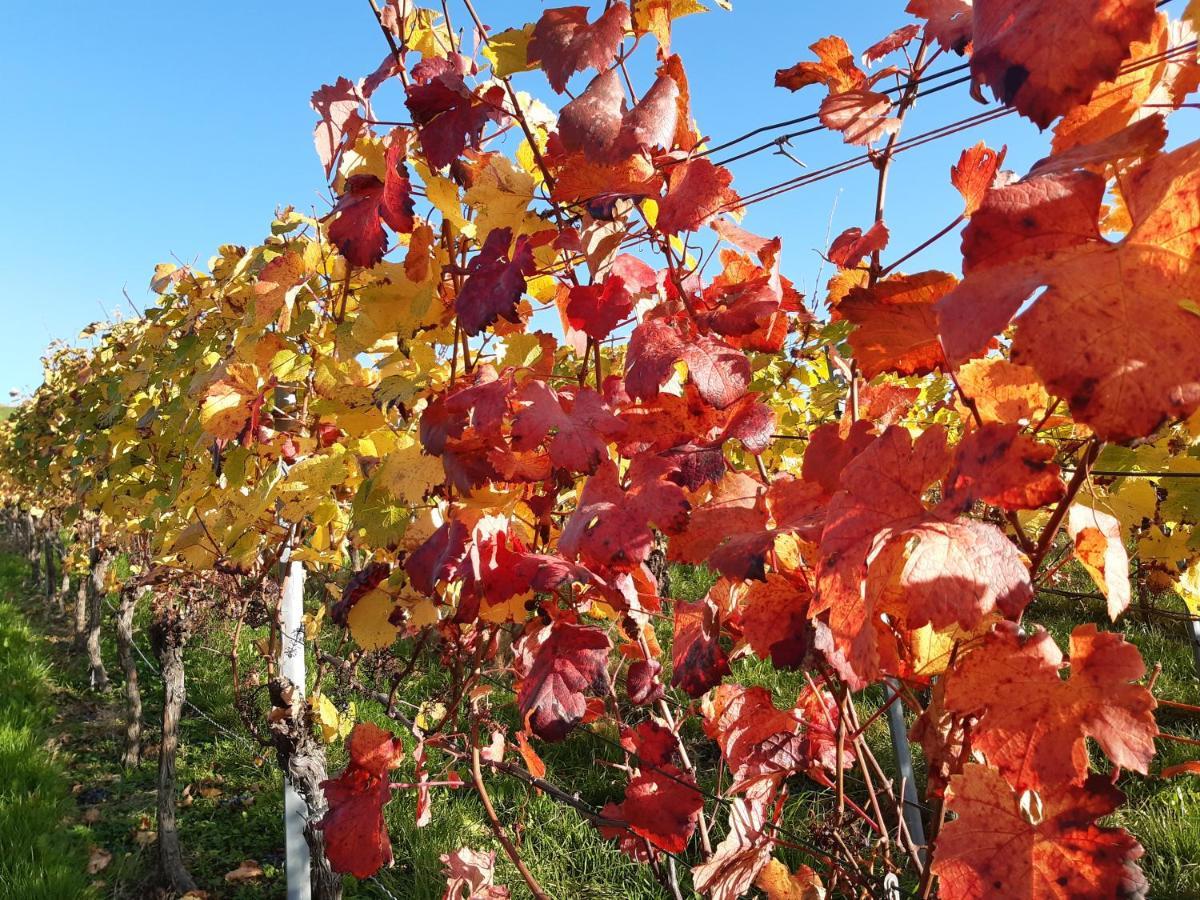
39 858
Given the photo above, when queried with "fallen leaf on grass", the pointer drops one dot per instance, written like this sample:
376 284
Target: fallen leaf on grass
98 860
247 871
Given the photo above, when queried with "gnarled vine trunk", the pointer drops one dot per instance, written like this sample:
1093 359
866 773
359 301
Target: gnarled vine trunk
302 759
168 635
133 695
81 612
48 566
101 559
34 543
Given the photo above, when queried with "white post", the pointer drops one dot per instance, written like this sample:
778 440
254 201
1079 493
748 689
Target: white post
1194 634
291 667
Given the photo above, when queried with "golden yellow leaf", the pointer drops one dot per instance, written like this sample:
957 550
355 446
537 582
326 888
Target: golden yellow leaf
408 472
226 405
368 620
1188 587
507 51
511 610
778 883
655 17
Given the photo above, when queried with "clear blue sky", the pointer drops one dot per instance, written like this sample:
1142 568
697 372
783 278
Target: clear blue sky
137 131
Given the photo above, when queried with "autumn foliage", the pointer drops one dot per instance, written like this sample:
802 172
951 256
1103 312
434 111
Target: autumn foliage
503 372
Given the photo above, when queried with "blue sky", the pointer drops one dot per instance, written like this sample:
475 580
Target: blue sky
140 131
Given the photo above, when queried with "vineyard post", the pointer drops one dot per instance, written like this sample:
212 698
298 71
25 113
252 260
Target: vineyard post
910 803
291 667
1194 635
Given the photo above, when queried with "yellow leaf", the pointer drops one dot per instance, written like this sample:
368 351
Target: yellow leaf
422 612
408 473
443 194
655 17
312 622
1167 551
511 610
429 714
226 406
500 195
931 649
368 620
1188 587
507 51
778 883
327 717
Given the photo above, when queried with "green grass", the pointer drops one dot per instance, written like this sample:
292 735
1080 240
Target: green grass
565 853
6 411
38 857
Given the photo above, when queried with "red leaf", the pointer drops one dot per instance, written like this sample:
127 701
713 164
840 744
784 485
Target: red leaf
881 547
610 527
575 425
975 173
947 21
596 309
1044 231
661 806
750 303
557 665
654 348
366 204
851 246
698 661
861 115
721 373
1043 79
901 37
449 116
470 875
337 104
757 740
653 744
595 123
895 321
373 749
697 191
835 68
774 620
642 682
495 281
1033 725
1000 466
563 42
995 848
356 838
742 854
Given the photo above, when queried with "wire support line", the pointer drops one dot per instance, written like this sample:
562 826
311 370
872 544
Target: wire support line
1165 55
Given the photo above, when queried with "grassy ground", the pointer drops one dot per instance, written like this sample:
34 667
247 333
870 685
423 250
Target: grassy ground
59 744
39 857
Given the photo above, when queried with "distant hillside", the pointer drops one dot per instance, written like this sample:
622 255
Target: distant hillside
5 412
